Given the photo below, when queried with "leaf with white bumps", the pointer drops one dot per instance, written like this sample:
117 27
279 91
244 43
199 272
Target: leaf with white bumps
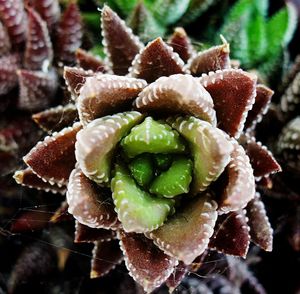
97 142
186 234
210 149
138 210
177 94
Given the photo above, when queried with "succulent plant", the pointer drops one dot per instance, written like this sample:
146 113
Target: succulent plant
159 166
258 41
27 54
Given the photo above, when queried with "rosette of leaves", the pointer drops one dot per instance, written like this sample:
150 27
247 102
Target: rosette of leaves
152 18
157 169
28 53
258 40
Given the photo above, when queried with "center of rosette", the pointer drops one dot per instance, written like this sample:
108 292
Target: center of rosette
151 165
152 172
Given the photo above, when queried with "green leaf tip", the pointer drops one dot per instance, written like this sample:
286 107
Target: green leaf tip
152 137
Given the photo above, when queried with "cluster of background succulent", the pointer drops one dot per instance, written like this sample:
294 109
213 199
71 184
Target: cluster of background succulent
45 246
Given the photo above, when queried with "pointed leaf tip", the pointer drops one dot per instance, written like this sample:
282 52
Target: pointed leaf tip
120 44
157 59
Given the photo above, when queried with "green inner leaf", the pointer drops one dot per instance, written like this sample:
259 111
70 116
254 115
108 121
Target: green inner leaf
152 137
137 210
209 147
175 181
142 169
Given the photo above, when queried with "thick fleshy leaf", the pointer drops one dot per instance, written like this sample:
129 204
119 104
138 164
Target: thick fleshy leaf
38 52
97 142
260 107
186 234
213 59
13 16
157 59
142 169
56 118
138 210
8 72
209 146
237 182
106 256
105 94
29 179
260 228
231 234
89 204
87 61
69 34
152 137
174 181
53 159
37 89
120 45
5 44
148 265
48 10
86 234
227 88
181 44
177 94
75 79
261 159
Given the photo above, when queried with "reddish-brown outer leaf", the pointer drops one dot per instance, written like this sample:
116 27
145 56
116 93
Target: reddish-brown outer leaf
177 94
105 94
260 106
75 79
231 234
106 256
89 62
239 186
37 89
86 234
28 178
90 204
5 44
213 59
260 228
38 53
8 72
186 235
13 16
31 220
261 159
120 44
181 44
69 34
53 159
233 92
48 10
148 265
157 59
56 118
